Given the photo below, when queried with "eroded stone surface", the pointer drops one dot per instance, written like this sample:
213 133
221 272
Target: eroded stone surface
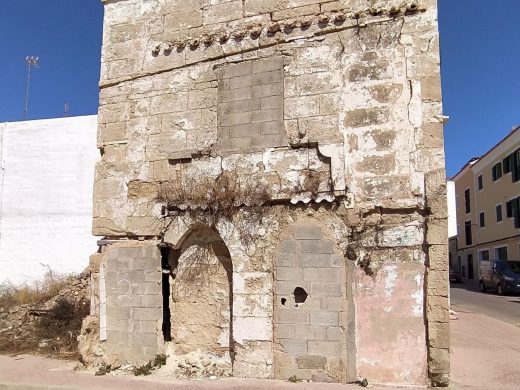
310 129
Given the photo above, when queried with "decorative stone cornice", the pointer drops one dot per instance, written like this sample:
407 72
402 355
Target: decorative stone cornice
324 22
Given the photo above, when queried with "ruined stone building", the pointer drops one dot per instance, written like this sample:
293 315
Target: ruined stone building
271 190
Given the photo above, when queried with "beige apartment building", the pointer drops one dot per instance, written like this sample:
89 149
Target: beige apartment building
488 211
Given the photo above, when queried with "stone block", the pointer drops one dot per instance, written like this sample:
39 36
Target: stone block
151 301
311 260
316 246
271 102
334 333
332 303
437 282
431 88
259 91
433 134
240 82
366 117
437 308
301 106
325 348
437 231
267 115
438 360
117 313
120 325
288 273
267 64
311 361
118 337
267 78
323 289
367 72
301 332
377 164
145 339
236 94
386 93
439 334
146 314
144 326
223 12
292 316
322 317
287 260
321 275
294 346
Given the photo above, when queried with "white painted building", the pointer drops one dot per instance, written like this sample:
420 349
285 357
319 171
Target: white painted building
452 209
46 181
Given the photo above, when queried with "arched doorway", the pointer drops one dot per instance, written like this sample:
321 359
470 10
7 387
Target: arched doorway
201 302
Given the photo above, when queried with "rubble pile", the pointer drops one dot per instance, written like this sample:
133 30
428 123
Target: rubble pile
49 327
196 365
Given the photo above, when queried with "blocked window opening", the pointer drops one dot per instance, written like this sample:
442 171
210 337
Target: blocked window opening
166 270
300 295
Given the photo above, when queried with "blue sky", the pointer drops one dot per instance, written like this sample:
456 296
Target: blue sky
66 35
480 53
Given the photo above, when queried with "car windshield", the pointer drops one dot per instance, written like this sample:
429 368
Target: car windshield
509 266
514 266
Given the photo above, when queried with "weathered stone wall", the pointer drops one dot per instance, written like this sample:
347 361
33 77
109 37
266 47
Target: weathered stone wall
322 109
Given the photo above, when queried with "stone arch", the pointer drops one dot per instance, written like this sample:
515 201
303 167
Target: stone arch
201 292
311 304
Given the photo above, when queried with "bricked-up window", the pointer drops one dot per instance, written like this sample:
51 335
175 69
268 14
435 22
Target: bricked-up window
467 200
480 182
467 230
498 209
496 172
482 220
250 105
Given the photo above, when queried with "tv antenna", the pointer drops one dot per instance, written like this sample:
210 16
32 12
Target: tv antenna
30 61
66 109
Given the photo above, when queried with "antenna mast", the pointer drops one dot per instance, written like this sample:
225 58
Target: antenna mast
30 61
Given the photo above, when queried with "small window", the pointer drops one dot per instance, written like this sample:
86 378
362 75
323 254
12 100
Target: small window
509 209
482 220
498 209
515 210
501 253
483 255
497 171
467 201
467 230
515 166
480 182
506 163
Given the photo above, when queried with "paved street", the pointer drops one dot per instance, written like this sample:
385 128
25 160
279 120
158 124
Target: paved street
485 355
504 308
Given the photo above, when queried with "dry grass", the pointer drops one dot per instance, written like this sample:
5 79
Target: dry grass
218 195
34 292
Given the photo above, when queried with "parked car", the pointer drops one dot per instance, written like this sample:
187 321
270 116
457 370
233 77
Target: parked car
454 276
500 275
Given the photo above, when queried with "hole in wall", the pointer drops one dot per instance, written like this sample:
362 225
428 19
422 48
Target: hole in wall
283 301
300 295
